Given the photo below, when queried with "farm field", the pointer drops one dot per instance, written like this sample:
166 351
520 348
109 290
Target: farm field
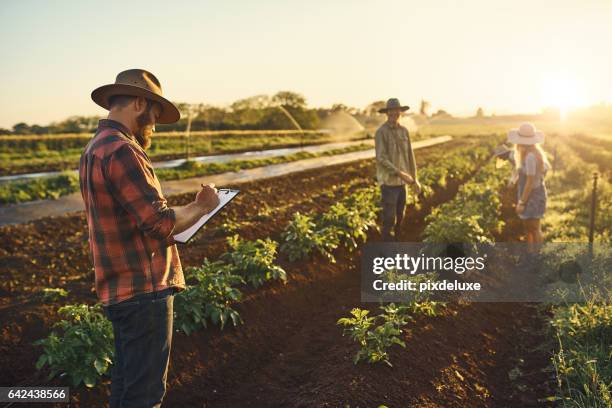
55 186
326 205
289 350
31 154
289 334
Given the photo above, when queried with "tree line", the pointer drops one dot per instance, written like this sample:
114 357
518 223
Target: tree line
260 112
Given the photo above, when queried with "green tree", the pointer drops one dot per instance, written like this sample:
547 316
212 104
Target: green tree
254 102
21 128
39 130
249 112
288 98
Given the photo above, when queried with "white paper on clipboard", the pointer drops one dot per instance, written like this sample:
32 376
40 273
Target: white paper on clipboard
225 195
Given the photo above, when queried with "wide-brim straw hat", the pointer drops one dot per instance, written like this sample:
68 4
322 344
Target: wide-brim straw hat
393 103
526 134
137 82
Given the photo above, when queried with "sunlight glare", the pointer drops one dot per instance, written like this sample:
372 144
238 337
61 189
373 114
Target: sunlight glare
562 92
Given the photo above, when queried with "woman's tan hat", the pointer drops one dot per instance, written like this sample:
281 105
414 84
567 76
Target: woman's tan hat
526 134
137 82
393 103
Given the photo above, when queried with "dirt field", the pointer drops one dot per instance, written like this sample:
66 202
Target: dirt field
289 352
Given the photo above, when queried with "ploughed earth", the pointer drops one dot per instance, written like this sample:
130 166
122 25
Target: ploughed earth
289 352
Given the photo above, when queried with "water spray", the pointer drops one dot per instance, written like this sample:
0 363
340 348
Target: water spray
295 123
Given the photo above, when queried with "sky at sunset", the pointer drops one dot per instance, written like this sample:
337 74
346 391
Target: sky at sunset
514 56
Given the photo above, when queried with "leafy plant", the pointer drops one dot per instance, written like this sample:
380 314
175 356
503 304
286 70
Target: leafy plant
230 226
209 298
42 188
53 294
473 215
417 302
583 331
254 260
81 346
350 219
582 362
301 237
375 339
264 214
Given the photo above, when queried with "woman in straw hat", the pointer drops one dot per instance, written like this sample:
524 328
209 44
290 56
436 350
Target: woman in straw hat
530 167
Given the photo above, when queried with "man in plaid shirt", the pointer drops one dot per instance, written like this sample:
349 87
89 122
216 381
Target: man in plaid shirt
131 229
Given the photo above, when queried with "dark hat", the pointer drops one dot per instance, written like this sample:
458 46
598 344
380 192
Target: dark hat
393 103
137 82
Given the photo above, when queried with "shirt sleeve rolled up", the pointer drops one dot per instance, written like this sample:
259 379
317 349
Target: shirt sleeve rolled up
132 182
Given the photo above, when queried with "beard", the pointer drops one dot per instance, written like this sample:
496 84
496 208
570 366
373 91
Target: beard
145 130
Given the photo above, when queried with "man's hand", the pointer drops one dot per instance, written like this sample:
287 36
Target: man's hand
207 198
407 178
417 187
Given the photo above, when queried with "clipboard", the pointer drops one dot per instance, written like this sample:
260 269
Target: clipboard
225 196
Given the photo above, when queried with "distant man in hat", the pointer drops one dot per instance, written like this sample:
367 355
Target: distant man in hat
131 228
395 168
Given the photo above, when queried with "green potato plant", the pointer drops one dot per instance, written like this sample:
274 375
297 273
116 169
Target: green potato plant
80 347
209 298
374 338
254 260
301 237
473 215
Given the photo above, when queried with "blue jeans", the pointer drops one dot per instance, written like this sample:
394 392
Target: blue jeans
393 207
142 326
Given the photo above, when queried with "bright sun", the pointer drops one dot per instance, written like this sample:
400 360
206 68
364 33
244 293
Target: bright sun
562 92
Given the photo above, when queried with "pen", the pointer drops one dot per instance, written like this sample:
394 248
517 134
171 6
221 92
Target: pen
224 190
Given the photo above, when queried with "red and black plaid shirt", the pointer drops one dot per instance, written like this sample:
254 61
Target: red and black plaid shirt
130 224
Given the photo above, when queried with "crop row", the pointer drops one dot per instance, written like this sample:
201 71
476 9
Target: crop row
53 187
470 217
581 331
474 213
22 155
591 150
79 140
80 346
569 205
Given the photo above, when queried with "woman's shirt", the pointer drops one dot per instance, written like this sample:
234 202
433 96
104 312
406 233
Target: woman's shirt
530 168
